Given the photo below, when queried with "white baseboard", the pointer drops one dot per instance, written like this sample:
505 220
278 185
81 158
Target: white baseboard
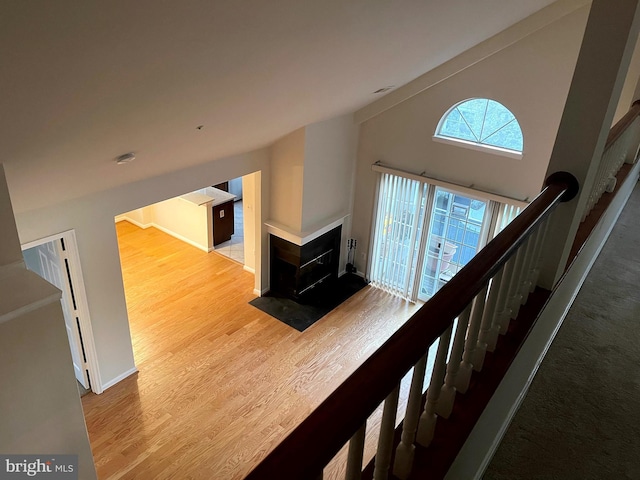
181 237
119 378
249 269
123 218
260 293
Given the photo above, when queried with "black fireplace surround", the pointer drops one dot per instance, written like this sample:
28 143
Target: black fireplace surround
295 270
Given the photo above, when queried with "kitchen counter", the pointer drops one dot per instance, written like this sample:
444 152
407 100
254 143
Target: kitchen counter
208 195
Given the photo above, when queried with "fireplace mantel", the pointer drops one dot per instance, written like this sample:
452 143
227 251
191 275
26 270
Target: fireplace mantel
302 238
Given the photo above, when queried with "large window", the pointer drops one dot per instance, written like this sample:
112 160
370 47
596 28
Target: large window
424 234
484 122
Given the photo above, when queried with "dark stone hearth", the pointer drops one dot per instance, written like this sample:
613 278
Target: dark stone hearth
315 304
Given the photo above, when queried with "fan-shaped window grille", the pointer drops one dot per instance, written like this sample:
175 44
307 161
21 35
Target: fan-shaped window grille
482 121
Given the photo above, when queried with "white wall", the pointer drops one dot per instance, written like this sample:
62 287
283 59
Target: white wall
9 244
287 179
184 220
329 169
530 77
92 217
330 152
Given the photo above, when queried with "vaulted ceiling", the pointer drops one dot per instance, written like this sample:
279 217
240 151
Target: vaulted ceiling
83 82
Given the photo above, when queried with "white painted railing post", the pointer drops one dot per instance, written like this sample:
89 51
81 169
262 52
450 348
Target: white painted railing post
427 424
504 313
385 441
466 366
356 454
486 340
542 229
525 283
406 449
514 286
490 331
444 407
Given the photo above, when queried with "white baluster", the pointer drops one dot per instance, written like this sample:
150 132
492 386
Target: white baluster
444 407
543 229
501 321
514 286
488 336
536 241
385 441
406 450
427 424
525 283
463 378
356 453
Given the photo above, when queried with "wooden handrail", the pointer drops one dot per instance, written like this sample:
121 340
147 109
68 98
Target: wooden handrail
622 124
308 448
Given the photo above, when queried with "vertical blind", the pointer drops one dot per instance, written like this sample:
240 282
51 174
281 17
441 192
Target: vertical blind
399 236
400 214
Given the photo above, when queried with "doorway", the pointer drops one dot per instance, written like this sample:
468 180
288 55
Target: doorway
56 260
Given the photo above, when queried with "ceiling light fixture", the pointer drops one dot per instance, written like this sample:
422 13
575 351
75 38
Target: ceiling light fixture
126 158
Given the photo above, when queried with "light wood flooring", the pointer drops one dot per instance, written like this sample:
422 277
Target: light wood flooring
220 383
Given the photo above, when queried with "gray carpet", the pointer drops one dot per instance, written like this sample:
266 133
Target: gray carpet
581 418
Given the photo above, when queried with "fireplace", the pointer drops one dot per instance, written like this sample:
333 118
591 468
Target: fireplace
297 269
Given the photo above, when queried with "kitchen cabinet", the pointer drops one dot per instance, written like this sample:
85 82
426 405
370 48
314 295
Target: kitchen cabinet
223 223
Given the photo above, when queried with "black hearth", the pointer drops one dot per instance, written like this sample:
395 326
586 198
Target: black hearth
296 270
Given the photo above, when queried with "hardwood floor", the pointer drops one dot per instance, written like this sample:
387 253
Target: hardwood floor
220 383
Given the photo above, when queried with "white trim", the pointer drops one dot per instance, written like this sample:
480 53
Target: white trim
260 293
180 237
301 238
469 190
249 269
125 218
71 246
480 147
119 378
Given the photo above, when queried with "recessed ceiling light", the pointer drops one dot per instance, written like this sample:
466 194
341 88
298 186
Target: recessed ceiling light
384 89
126 158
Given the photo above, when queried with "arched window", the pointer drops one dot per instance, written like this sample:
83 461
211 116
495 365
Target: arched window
481 121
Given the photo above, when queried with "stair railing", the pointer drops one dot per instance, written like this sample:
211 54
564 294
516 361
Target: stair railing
621 147
464 319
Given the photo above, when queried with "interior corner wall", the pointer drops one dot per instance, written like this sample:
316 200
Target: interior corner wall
530 77
330 153
9 243
287 179
92 218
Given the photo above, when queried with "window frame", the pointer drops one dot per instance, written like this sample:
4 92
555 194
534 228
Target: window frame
481 147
